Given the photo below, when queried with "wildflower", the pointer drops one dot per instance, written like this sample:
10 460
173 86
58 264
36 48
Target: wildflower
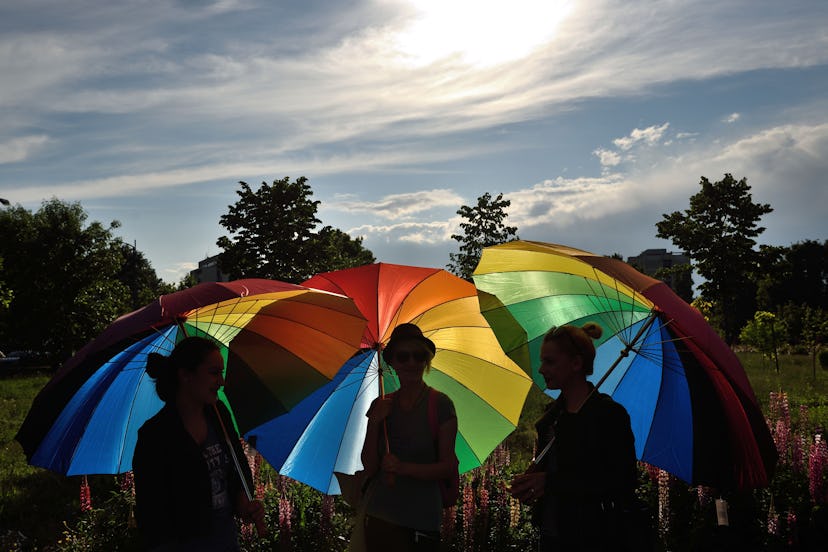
792 529
704 495
85 495
773 520
468 515
803 416
817 464
781 436
798 445
663 502
514 512
128 483
285 517
326 512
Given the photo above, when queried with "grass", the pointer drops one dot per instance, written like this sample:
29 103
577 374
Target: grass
37 503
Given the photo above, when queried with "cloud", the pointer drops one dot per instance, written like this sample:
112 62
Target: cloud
402 206
20 149
648 136
413 232
732 118
607 158
785 166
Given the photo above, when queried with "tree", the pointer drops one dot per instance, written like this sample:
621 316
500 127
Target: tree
484 226
718 232
797 274
763 334
64 276
272 235
814 332
679 278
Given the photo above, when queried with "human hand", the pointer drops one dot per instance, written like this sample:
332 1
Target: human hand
528 487
252 511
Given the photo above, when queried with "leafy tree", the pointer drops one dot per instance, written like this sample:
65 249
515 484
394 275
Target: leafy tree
65 275
6 294
62 273
814 332
272 235
679 278
484 226
797 274
763 334
139 277
718 232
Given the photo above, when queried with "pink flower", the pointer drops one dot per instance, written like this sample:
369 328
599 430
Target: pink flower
128 483
781 436
85 495
817 464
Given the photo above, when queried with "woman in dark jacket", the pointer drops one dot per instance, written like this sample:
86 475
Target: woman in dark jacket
187 489
584 484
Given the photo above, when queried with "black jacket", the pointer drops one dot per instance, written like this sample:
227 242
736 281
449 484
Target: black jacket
173 496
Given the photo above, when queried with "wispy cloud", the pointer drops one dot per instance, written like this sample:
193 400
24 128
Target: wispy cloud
607 158
732 118
20 149
402 206
648 136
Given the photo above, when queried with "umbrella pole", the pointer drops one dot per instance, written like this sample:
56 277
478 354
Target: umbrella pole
261 530
625 352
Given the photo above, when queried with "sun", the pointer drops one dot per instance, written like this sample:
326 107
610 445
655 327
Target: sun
479 32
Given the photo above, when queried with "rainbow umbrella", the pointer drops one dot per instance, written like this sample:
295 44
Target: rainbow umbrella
280 341
324 433
693 411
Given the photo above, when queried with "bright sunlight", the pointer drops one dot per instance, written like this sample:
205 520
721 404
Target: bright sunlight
479 32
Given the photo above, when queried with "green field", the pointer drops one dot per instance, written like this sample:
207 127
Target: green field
37 506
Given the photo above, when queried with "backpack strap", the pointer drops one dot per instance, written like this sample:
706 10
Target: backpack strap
432 414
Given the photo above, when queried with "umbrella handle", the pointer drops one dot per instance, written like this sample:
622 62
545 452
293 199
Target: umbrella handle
261 529
389 477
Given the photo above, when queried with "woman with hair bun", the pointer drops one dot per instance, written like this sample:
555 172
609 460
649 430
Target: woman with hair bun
186 487
583 483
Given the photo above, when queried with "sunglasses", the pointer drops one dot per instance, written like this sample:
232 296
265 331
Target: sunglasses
403 356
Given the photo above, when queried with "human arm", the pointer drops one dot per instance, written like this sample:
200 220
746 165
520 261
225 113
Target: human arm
153 513
377 413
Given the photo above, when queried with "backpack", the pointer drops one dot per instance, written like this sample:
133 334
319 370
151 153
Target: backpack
449 488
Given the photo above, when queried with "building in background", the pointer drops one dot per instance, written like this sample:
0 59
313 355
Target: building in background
661 264
208 271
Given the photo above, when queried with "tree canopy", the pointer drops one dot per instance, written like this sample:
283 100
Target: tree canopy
484 226
273 234
717 231
68 279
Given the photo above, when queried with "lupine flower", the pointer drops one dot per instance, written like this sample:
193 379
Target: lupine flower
663 502
468 516
798 445
704 495
781 436
128 483
85 495
514 512
326 512
773 406
652 471
773 520
285 517
803 416
817 463
792 529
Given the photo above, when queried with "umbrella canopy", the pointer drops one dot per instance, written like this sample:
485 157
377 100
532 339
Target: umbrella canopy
693 411
325 432
280 341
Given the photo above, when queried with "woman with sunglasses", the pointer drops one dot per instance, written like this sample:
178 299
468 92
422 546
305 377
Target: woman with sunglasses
583 484
406 455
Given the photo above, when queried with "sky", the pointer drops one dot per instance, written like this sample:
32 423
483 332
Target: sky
593 118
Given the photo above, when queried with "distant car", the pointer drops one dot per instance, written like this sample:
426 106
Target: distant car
11 359
22 358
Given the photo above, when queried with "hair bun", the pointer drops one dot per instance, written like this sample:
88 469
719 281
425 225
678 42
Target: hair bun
593 330
156 363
